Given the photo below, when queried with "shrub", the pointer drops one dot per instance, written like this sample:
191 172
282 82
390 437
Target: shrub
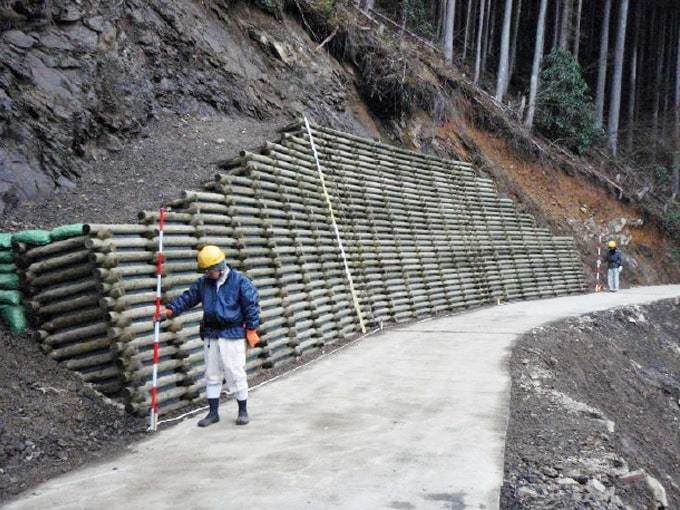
564 108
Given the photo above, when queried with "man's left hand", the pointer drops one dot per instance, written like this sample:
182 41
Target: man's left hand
252 337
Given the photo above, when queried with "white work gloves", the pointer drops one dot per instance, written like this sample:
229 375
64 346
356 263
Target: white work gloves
620 268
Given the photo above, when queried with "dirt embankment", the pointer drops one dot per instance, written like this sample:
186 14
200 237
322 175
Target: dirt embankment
50 421
595 412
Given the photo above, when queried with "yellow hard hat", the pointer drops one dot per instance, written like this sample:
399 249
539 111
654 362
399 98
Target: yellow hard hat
209 256
611 244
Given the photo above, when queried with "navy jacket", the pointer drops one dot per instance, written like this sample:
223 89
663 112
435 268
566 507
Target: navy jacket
614 258
225 313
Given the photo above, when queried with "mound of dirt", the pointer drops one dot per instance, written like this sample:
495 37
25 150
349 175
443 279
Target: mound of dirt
595 412
51 421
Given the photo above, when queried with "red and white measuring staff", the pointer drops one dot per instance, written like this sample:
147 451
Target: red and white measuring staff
598 286
153 419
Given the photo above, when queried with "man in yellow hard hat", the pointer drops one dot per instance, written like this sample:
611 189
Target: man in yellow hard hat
230 313
614 260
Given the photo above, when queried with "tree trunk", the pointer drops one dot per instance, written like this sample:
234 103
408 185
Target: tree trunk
632 81
556 31
468 18
615 96
513 46
504 62
667 129
577 31
536 68
565 25
602 65
480 30
657 90
488 33
368 4
675 181
448 30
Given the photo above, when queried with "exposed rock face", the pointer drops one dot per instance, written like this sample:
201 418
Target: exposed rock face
79 74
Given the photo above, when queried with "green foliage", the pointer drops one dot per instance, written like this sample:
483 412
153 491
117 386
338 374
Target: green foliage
662 174
671 220
418 18
564 108
273 7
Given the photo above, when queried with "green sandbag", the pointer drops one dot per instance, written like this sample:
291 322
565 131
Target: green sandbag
15 318
5 240
66 231
9 281
6 256
8 268
10 297
34 237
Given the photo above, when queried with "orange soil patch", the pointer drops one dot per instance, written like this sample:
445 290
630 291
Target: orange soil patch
561 195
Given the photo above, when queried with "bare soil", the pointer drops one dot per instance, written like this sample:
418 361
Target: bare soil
52 422
175 153
594 398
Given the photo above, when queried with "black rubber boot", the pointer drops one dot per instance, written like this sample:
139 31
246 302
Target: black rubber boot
212 417
242 418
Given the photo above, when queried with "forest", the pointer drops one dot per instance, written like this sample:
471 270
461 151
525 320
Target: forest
599 74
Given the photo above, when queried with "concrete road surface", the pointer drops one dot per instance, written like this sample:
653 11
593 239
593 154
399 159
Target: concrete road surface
411 418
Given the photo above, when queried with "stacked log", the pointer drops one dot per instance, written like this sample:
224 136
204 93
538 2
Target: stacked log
444 237
63 306
421 236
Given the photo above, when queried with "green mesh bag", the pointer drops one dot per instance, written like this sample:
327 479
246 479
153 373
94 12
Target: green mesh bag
35 237
5 241
14 317
9 281
66 231
8 268
6 256
10 297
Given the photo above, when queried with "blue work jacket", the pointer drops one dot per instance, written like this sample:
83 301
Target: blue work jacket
227 312
614 258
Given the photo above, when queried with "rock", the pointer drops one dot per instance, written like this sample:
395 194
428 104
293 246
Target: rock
69 14
68 63
551 472
526 492
596 485
19 39
658 492
111 142
633 476
565 482
95 23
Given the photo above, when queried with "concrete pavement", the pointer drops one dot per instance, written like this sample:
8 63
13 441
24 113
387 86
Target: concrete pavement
411 418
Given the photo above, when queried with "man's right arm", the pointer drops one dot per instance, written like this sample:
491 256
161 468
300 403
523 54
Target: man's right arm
189 298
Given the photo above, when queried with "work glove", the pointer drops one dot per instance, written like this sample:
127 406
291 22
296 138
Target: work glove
620 268
252 337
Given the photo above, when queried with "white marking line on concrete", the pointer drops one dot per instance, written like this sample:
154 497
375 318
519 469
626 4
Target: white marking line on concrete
390 422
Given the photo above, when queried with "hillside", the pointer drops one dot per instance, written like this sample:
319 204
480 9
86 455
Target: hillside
159 91
108 108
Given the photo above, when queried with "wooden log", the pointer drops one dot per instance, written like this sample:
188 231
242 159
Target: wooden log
72 319
49 250
49 264
71 335
60 276
67 305
57 293
83 347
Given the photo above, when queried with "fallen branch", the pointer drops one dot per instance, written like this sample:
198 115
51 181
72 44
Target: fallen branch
327 39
